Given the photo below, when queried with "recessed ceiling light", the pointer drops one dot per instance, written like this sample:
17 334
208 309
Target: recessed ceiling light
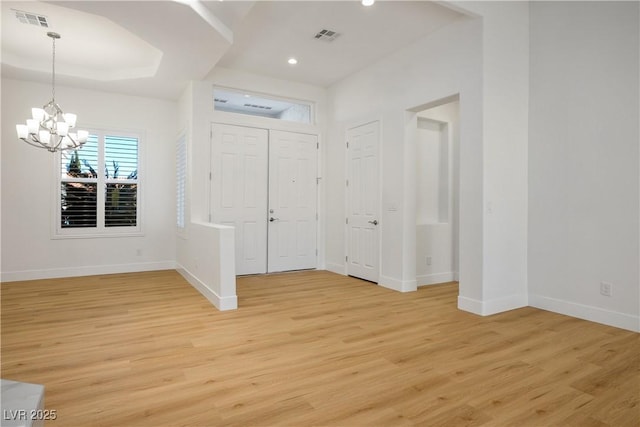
292 61
368 2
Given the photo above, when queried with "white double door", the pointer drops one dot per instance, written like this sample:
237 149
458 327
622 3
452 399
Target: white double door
263 183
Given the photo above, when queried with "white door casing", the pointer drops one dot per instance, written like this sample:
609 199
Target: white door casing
363 252
239 159
292 236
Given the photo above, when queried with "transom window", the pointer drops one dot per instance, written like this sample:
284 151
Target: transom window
234 101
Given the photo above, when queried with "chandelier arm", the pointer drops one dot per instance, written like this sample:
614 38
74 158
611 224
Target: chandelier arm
35 143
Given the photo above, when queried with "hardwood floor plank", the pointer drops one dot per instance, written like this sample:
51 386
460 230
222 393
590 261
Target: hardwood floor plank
308 348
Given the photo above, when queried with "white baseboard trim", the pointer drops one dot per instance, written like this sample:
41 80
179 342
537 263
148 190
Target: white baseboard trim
397 285
434 279
56 273
221 303
336 268
489 307
469 304
586 312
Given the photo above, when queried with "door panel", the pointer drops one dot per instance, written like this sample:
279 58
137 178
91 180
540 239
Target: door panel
292 201
362 194
239 159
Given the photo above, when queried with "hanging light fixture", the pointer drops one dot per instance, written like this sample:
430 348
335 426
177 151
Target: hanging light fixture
51 128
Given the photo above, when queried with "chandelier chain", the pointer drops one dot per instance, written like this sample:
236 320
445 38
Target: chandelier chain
53 73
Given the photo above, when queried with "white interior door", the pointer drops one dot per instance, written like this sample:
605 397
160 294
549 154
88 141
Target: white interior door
239 160
362 192
292 201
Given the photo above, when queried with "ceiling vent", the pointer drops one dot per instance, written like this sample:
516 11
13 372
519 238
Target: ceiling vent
263 107
31 18
326 35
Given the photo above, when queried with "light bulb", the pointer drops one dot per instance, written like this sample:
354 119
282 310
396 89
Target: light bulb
33 125
62 128
82 136
23 131
44 137
38 114
70 118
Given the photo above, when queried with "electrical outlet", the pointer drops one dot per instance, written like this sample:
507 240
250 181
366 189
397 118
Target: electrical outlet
428 260
606 289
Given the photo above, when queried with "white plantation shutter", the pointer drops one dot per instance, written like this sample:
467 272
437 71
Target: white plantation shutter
78 186
99 187
181 180
121 181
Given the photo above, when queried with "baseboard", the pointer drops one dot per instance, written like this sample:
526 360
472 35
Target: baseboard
221 303
336 268
586 312
56 273
397 285
489 307
433 279
469 304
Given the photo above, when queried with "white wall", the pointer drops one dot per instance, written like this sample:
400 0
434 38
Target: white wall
432 144
446 63
485 60
583 160
28 251
505 109
205 253
207 261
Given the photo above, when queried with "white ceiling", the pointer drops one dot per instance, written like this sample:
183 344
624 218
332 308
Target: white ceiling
274 31
153 48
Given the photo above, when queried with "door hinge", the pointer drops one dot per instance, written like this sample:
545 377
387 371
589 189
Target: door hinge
211 133
347 144
346 258
209 217
346 220
347 183
317 145
316 252
316 217
210 176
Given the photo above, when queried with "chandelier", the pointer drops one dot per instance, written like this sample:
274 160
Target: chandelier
51 128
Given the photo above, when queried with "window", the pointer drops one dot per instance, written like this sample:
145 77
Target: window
99 187
181 180
233 101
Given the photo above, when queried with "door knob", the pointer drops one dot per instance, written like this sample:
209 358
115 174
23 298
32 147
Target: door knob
273 219
374 222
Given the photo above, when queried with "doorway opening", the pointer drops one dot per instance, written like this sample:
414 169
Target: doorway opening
437 195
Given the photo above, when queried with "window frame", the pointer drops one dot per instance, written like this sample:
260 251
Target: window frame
100 230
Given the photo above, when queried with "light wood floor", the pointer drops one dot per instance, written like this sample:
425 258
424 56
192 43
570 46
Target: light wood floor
308 349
